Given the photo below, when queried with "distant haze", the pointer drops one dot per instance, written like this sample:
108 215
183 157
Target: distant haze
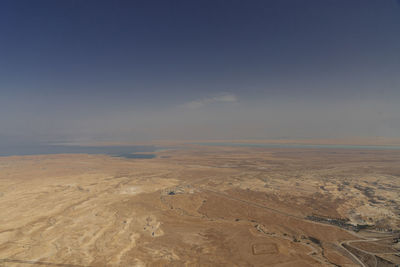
84 71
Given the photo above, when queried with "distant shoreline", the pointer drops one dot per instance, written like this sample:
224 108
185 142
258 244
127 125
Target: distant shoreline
299 145
26 150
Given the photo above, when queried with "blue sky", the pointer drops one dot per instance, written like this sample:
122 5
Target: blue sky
143 70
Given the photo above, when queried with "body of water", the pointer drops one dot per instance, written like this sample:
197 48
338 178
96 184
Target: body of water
137 156
124 151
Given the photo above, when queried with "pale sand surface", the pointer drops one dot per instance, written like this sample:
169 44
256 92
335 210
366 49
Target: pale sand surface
199 206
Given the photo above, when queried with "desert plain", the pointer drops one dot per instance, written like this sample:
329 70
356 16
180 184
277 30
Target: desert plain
199 205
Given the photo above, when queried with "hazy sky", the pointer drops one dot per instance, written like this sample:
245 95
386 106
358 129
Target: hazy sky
141 70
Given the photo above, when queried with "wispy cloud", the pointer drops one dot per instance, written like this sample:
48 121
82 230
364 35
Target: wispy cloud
220 98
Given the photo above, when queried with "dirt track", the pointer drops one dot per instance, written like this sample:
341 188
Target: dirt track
228 206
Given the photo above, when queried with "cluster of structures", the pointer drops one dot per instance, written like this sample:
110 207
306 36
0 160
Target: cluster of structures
340 222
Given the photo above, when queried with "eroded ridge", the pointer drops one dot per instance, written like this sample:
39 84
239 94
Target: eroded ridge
207 206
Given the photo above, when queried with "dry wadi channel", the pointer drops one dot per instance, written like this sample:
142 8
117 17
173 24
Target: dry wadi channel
202 206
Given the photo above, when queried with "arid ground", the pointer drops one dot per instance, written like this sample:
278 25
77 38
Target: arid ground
202 206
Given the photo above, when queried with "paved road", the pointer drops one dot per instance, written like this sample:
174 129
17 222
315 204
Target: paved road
362 239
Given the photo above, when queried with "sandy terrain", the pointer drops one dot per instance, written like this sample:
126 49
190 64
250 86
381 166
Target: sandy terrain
202 206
